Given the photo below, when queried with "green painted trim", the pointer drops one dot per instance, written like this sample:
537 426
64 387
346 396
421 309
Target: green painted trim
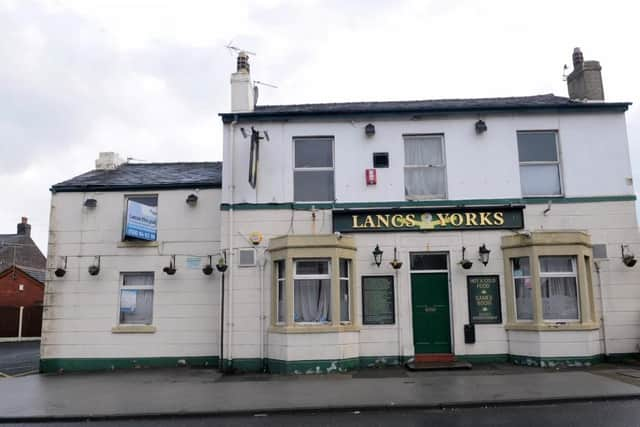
623 357
483 358
551 362
102 364
428 203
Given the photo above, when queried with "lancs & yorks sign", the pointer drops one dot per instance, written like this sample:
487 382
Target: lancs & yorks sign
444 219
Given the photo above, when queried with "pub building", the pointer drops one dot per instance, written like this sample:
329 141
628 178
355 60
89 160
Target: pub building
367 234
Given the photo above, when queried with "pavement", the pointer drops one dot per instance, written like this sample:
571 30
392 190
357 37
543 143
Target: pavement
19 358
196 392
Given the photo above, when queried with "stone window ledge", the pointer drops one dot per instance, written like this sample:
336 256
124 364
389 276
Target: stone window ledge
311 329
133 329
134 244
552 326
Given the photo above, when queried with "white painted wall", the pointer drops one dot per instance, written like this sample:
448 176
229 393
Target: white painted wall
80 309
611 223
594 156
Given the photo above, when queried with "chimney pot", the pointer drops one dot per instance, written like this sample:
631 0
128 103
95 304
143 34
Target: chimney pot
242 93
108 160
585 81
243 62
24 228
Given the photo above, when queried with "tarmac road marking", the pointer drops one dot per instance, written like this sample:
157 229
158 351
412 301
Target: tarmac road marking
3 375
22 374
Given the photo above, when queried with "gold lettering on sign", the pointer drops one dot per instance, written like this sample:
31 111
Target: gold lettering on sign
354 222
471 218
383 220
397 220
484 218
444 219
456 219
410 220
368 222
498 217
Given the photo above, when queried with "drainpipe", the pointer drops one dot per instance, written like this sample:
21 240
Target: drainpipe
263 339
232 132
602 308
221 362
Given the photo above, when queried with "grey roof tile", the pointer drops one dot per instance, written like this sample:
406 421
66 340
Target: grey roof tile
146 176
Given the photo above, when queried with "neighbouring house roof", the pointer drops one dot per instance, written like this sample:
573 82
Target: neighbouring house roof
37 275
20 250
146 176
540 103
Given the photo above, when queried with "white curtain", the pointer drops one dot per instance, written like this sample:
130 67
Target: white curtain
559 298
312 300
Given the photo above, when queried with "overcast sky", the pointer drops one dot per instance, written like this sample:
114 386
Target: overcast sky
147 78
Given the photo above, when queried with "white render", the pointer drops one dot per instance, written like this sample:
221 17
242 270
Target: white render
481 166
81 310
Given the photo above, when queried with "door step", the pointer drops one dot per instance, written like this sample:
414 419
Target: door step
434 357
437 366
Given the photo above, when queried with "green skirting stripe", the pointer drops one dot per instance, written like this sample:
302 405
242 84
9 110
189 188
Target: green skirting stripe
427 203
623 357
483 358
102 364
551 362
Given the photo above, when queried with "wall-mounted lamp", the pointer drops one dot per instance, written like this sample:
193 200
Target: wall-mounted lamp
481 127
244 132
628 258
94 269
171 269
370 130
255 237
192 200
484 254
221 266
465 263
61 270
90 203
396 263
208 269
377 255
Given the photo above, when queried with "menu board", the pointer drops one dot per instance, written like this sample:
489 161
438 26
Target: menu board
484 299
378 300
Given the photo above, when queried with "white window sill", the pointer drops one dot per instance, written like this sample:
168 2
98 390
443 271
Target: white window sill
141 244
133 329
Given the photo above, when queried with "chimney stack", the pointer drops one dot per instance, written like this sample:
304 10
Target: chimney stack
108 160
24 228
242 96
585 81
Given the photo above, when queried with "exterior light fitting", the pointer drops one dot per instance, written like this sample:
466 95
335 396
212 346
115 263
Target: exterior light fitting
370 130
208 269
481 127
628 258
192 199
377 255
465 263
94 269
171 269
396 264
90 203
221 266
484 254
61 270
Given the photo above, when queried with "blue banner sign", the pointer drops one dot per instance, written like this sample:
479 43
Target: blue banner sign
142 221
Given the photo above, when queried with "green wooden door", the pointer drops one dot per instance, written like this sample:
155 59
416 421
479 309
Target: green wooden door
431 321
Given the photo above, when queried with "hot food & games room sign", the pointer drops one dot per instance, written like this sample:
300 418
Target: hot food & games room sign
428 219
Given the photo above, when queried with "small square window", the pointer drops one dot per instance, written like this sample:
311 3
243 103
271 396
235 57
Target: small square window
380 160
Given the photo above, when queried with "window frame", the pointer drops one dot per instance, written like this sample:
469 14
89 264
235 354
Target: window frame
280 281
535 245
327 276
445 193
314 169
513 283
136 288
574 267
341 279
132 240
557 162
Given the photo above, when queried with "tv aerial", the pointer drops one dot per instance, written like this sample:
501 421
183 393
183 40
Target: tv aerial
233 48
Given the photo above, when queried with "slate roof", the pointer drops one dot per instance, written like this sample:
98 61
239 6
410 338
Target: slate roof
431 106
20 250
146 176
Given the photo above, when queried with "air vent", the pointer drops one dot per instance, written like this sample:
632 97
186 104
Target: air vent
600 250
247 257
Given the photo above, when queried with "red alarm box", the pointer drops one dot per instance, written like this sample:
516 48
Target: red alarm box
370 174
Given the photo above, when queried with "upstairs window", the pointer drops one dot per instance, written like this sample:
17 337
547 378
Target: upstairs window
141 218
539 163
313 169
424 167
